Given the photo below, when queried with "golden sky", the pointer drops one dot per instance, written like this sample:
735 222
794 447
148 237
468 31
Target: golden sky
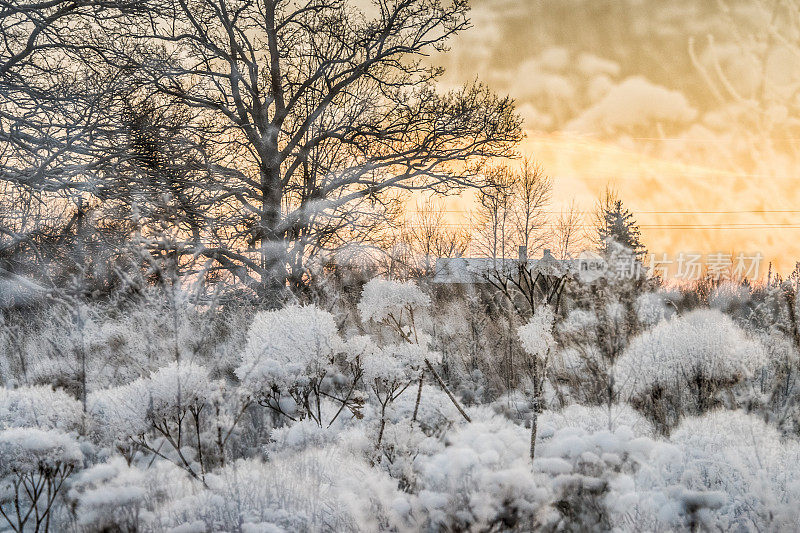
689 110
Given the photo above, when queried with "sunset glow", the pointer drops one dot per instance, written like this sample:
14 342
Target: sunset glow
687 110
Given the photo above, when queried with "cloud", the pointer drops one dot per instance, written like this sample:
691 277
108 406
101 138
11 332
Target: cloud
633 103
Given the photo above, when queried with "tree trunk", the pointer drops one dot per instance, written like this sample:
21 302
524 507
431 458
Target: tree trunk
270 236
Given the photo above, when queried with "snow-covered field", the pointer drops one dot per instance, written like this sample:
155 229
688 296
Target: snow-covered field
402 412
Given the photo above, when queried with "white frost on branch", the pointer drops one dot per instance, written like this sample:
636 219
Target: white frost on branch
286 346
702 343
537 335
30 450
382 298
39 407
128 410
397 363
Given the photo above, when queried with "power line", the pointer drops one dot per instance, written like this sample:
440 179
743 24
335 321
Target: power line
642 226
755 211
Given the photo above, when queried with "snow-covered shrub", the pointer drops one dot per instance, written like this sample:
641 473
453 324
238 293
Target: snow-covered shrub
34 463
435 412
729 297
480 480
39 407
591 340
287 346
390 372
167 394
289 361
314 490
680 365
384 299
159 409
652 308
26 450
115 345
178 387
396 363
111 496
595 418
119 412
586 472
739 473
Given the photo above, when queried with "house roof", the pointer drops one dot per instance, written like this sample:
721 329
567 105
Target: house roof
472 270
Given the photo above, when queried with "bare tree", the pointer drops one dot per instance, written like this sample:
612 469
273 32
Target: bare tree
512 210
531 194
493 234
305 114
428 236
567 235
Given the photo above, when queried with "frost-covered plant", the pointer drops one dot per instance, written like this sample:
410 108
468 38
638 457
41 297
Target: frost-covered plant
119 412
587 472
652 308
730 298
40 407
537 340
604 316
537 335
434 416
591 340
390 372
111 496
111 345
314 490
681 365
287 346
167 407
396 305
593 418
480 480
290 363
732 467
34 463
394 301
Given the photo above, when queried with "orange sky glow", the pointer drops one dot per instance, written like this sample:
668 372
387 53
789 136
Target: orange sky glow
689 110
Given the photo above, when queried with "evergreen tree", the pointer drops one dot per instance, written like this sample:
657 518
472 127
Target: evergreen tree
615 223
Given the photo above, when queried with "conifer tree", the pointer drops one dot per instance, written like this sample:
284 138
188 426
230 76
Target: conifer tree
615 223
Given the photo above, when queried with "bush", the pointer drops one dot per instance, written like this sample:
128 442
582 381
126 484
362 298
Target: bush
682 365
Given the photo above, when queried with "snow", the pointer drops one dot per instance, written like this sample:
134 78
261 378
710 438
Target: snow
384 298
537 335
701 343
286 346
29 450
